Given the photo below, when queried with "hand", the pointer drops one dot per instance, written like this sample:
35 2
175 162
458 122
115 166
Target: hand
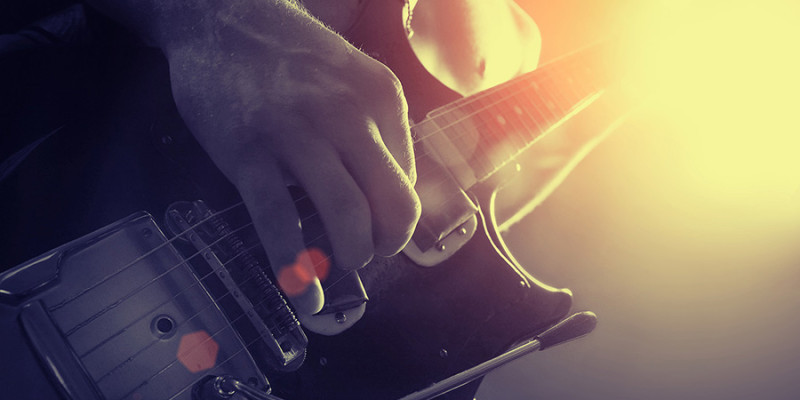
270 91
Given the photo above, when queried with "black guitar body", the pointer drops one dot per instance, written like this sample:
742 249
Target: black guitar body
121 147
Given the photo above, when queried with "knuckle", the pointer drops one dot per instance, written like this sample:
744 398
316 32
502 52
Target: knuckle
356 253
405 161
410 209
395 230
388 82
411 171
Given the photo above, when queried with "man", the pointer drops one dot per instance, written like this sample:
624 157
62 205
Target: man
273 93
270 92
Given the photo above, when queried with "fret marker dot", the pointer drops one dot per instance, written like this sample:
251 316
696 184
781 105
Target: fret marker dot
517 110
501 120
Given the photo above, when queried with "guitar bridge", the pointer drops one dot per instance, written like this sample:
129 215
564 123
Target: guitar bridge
243 289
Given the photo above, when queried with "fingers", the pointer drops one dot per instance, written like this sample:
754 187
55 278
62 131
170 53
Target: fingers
393 203
389 110
389 179
276 221
342 206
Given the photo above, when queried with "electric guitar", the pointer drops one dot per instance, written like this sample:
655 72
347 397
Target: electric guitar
154 303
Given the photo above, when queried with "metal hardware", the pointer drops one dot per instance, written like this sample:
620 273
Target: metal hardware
114 320
225 387
445 247
573 327
241 273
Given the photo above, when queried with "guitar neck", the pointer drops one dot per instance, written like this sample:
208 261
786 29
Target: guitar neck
475 136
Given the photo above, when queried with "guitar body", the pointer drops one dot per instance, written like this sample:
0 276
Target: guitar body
123 149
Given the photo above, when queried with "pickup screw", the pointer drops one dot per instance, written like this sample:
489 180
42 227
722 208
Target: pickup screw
443 353
323 361
166 139
340 317
462 231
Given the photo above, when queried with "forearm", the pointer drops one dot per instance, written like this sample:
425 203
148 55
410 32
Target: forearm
173 24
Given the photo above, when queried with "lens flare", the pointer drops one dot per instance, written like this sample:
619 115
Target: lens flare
294 279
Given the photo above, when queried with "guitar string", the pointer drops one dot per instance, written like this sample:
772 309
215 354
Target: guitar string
195 315
144 286
75 296
232 328
169 270
228 325
169 300
537 75
540 131
240 204
204 277
540 73
216 367
229 322
187 320
58 305
183 290
440 130
141 288
77 327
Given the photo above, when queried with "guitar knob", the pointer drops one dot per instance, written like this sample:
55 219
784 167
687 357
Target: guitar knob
225 387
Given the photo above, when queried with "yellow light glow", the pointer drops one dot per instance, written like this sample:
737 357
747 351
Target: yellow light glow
725 74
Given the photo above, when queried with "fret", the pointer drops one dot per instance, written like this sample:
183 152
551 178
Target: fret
516 128
482 132
588 77
573 93
576 86
509 143
554 87
532 127
544 91
446 153
464 143
576 83
493 141
512 127
480 143
537 110
512 117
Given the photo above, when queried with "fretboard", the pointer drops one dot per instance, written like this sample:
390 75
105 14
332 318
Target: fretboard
475 136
